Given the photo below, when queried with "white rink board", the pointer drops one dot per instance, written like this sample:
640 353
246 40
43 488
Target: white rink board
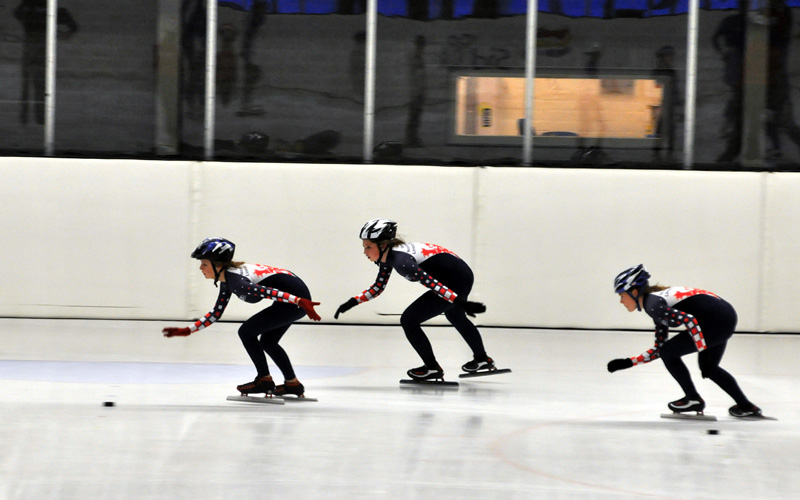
111 238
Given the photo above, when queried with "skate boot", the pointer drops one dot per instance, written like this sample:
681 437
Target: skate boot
259 385
485 364
688 404
745 411
295 389
425 373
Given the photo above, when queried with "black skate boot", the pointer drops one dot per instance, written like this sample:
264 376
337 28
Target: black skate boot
259 385
688 404
485 364
295 389
745 411
425 373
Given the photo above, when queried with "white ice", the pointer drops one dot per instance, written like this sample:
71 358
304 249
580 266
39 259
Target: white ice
558 427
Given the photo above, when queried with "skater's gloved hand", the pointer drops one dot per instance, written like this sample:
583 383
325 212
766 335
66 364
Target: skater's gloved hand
308 307
351 303
619 364
471 308
176 332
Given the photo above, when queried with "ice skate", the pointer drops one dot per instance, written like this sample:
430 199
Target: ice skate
682 408
751 412
477 364
292 392
266 399
479 367
257 386
425 375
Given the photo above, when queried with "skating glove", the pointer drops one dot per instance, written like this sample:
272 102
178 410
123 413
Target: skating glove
308 307
619 364
471 308
351 303
176 332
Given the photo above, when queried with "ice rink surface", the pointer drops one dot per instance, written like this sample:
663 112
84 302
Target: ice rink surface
558 427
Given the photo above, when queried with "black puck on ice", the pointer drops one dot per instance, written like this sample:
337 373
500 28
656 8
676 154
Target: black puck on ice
713 432
109 403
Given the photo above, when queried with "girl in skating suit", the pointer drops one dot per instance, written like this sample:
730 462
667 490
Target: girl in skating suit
252 283
449 280
709 322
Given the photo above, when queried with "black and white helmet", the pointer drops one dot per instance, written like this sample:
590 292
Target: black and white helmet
632 278
379 230
215 250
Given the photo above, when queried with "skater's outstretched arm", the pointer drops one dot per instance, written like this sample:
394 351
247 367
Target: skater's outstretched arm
667 317
254 292
680 318
662 331
664 317
209 319
384 273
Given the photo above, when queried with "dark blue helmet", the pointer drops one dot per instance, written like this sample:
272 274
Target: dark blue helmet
215 250
632 278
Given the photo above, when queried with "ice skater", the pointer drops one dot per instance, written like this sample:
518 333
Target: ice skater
252 283
709 322
447 276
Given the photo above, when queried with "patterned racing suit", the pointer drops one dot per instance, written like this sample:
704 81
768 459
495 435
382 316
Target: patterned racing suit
708 322
446 276
252 283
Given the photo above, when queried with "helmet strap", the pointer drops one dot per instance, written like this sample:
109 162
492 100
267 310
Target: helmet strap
217 273
382 251
635 298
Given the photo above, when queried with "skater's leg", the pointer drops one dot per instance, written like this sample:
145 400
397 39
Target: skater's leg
270 339
279 356
671 352
248 334
424 308
718 332
459 277
469 332
278 316
708 361
277 322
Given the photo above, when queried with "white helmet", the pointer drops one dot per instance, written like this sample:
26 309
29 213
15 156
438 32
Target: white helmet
378 230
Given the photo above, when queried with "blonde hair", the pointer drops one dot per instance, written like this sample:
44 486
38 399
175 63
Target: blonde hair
653 288
224 266
393 242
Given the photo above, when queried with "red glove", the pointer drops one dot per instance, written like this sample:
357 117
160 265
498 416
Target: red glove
308 307
176 332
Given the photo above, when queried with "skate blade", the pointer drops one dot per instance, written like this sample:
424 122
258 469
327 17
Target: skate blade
484 373
432 383
683 416
754 417
291 398
257 399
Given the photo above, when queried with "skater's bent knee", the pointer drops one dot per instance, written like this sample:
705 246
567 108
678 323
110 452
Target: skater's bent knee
247 333
407 320
708 371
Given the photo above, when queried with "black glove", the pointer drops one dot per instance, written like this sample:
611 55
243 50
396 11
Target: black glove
619 364
351 303
471 308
